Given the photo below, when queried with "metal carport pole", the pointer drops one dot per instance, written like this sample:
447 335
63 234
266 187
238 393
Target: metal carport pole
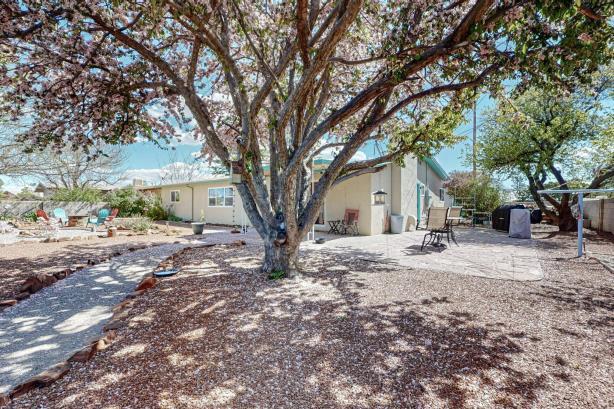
580 193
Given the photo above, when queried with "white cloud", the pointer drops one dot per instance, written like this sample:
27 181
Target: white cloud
198 170
330 153
149 175
359 156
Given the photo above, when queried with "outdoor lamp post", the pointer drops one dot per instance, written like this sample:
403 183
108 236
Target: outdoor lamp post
379 197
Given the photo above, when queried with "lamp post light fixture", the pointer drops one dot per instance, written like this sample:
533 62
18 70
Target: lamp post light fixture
379 197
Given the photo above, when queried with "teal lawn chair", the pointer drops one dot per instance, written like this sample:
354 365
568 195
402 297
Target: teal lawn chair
60 214
98 220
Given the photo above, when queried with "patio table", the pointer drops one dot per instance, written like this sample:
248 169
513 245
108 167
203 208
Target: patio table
74 221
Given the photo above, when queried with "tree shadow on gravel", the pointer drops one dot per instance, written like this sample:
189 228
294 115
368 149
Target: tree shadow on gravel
219 335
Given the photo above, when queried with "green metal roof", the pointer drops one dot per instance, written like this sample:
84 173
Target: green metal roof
433 164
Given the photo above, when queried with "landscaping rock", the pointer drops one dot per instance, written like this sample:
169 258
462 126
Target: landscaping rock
31 285
147 283
7 303
84 355
238 243
22 296
123 305
135 294
47 279
43 379
113 325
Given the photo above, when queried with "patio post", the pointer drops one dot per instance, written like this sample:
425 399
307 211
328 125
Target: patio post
580 221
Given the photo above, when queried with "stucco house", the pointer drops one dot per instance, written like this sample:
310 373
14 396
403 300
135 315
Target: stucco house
411 190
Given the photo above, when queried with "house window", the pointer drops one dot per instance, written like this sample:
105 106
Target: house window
174 196
221 197
442 194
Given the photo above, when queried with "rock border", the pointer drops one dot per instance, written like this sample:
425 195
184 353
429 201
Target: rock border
37 282
118 320
57 371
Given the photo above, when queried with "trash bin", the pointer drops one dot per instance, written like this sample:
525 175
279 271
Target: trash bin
397 223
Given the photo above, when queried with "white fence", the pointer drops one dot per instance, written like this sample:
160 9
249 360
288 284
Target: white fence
17 208
600 212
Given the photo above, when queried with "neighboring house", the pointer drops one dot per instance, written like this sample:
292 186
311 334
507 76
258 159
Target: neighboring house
411 190
43 191
6 195
46 192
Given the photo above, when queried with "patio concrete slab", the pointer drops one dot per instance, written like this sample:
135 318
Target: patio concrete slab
481 252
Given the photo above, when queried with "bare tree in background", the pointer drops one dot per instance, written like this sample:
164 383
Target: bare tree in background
68 168
183 169
13 162
73 169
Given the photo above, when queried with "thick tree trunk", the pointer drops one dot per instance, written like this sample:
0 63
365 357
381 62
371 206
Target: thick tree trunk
566 220
280 258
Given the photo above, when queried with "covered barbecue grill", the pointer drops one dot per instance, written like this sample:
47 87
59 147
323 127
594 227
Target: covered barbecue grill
501 216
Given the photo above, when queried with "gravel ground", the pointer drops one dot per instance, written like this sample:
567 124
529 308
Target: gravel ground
50 326
354 334
20 261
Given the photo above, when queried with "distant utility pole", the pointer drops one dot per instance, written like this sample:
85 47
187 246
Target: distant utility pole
475 172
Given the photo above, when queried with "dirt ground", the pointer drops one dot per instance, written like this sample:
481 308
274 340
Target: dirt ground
22 260
347 333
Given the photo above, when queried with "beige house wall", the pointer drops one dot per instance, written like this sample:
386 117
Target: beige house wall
400 184
432 183
380 214
183 208
403 190
352 194
194 203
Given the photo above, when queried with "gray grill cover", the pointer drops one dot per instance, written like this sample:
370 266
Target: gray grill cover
520 223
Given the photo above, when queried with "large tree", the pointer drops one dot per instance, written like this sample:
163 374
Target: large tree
554 140
282 80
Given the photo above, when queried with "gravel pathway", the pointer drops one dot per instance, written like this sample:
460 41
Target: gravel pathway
54 323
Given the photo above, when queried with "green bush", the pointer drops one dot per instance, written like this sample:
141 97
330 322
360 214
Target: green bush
173 218
85 194
140 224
129 201
155 211
29 216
